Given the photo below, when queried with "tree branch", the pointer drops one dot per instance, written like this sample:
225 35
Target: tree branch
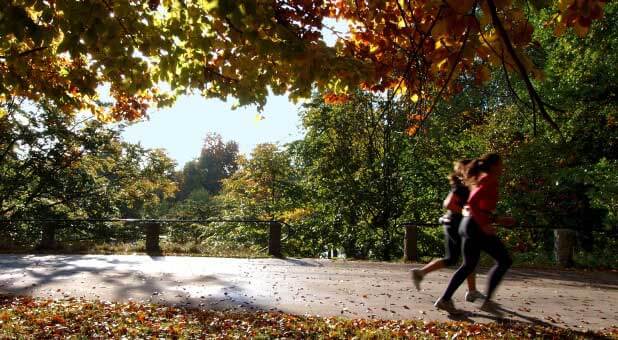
25 53
122 25
448 79
510 86
520 66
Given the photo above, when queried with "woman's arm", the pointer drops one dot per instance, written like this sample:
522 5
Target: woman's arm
452 202
483 201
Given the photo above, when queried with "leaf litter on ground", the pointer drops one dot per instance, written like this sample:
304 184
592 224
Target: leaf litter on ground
23 316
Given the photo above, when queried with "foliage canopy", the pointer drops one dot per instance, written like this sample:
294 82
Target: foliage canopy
65 50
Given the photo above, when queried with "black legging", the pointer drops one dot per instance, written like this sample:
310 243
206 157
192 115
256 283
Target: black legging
475 240
452 241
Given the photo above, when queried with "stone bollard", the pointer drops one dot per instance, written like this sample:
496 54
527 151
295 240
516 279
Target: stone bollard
410 243
274 239
48 237
564 246
153 230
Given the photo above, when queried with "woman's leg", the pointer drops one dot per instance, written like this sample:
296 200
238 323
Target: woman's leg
433 266
471 255
471 279
496 249
452 249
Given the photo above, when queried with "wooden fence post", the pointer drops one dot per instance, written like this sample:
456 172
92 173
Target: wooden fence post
274 239
410 243
153 230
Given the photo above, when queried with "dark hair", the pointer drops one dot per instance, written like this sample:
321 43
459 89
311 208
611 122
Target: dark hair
480 165
459 168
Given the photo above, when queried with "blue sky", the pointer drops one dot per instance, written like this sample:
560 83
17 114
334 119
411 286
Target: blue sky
181 129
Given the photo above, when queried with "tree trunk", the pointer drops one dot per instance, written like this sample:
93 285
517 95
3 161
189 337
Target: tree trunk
564 245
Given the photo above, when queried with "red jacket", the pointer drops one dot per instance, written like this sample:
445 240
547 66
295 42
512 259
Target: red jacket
482 202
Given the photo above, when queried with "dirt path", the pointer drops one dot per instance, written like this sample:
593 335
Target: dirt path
573 299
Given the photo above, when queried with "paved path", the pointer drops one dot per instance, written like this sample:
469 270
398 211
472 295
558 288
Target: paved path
353 289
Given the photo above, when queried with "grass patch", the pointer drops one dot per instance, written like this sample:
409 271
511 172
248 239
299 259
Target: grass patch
77 318
219 249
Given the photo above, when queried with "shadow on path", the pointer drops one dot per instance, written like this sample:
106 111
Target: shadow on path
573 278
120 279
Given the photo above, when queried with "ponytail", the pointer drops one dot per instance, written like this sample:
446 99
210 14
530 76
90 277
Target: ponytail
459 167
480 165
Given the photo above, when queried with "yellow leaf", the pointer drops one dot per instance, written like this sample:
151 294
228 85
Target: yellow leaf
402 89
564 4
441 64
414 98
439 29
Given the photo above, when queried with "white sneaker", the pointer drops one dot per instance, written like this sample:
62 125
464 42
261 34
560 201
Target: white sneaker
472 295
417 277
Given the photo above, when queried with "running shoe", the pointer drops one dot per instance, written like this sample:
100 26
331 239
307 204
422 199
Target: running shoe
472 295
491 308
417 277
447 306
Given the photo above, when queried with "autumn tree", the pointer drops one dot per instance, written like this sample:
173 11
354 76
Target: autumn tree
262 186
217 161
55 166
351 160
64 51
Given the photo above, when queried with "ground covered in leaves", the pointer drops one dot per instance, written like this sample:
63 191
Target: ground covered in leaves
44 318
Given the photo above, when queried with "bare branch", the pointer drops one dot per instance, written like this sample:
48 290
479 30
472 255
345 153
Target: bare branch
520 66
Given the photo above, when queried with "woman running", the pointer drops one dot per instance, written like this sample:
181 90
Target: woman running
478 234
454 203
